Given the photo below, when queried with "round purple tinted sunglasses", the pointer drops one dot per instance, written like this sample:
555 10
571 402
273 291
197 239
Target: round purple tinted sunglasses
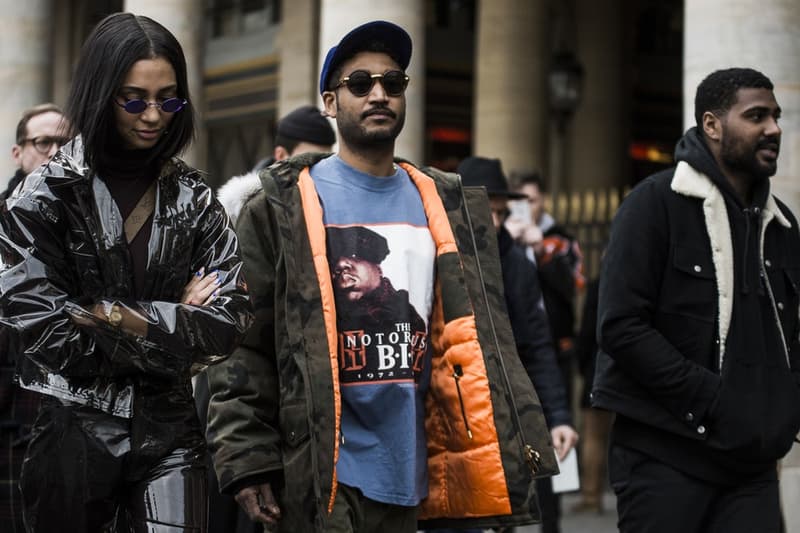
170 105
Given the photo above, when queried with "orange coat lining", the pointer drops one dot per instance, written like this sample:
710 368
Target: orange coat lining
471 481
316 236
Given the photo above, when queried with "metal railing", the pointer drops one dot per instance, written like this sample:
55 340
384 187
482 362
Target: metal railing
587 215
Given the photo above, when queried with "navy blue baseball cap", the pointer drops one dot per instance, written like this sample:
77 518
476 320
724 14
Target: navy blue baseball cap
393 37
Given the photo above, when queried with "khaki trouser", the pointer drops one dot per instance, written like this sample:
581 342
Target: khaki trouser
354 513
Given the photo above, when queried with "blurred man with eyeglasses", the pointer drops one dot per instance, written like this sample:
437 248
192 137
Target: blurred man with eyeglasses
328 419
40 132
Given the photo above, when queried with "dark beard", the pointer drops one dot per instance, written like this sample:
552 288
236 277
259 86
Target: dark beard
740 158
354 134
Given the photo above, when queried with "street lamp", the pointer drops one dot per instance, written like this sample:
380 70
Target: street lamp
565 82
566 85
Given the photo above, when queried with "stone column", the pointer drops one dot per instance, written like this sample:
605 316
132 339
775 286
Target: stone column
511 62
760 34
597 136
184 18
25 68
337 17
298 42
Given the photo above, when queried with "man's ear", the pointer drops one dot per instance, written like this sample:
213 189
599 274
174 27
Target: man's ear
280 153
329 103
16 155
712 126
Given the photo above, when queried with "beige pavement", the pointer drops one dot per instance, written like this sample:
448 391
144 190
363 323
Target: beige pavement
582 522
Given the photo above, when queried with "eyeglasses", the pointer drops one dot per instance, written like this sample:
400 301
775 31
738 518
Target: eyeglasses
170 105
360 82
44 143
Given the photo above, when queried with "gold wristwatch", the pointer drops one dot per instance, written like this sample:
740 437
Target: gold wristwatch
113 315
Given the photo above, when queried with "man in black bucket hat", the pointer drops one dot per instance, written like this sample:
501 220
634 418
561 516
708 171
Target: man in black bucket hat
528 321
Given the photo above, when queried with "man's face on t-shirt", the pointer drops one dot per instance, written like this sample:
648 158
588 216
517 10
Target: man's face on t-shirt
354 278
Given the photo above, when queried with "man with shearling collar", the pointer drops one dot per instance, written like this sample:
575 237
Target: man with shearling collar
698 325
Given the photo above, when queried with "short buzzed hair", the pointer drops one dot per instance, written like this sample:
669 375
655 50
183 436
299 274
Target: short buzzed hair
520 179
28 114
717 92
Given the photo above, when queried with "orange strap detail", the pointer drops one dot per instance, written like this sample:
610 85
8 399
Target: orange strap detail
316 236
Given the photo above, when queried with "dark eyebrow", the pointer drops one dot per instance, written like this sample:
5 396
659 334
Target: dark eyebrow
140 90
763 110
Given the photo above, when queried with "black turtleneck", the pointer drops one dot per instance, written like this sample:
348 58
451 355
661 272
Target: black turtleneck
128 174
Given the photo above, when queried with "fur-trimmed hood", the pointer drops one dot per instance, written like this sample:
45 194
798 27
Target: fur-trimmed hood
236 191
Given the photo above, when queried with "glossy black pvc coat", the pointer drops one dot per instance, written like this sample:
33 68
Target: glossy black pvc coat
120 429
63 251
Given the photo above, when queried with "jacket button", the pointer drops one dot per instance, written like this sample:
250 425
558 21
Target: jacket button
768 262
689 417
701 429
780 306
698 268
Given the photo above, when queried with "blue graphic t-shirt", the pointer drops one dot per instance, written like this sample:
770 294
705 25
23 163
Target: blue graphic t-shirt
381 256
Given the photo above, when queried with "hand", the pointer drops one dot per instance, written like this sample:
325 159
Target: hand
259 504
532 236
201 290
515 226
564 439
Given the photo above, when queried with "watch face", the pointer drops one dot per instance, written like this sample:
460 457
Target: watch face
115 317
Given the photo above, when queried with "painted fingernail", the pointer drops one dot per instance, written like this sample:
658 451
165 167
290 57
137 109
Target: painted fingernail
200 272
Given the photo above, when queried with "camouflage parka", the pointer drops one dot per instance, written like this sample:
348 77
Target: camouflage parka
275 404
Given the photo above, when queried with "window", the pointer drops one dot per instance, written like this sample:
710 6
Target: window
234 17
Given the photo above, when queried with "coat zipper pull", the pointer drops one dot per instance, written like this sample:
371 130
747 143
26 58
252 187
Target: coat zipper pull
533 458
458 372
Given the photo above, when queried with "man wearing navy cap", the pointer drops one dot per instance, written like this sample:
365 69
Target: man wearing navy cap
377 391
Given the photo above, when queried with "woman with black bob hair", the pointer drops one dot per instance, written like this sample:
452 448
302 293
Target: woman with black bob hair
116 45
120 278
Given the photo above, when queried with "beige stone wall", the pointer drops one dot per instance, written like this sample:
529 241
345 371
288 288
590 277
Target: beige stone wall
597 133
510 104
25 69
298 45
